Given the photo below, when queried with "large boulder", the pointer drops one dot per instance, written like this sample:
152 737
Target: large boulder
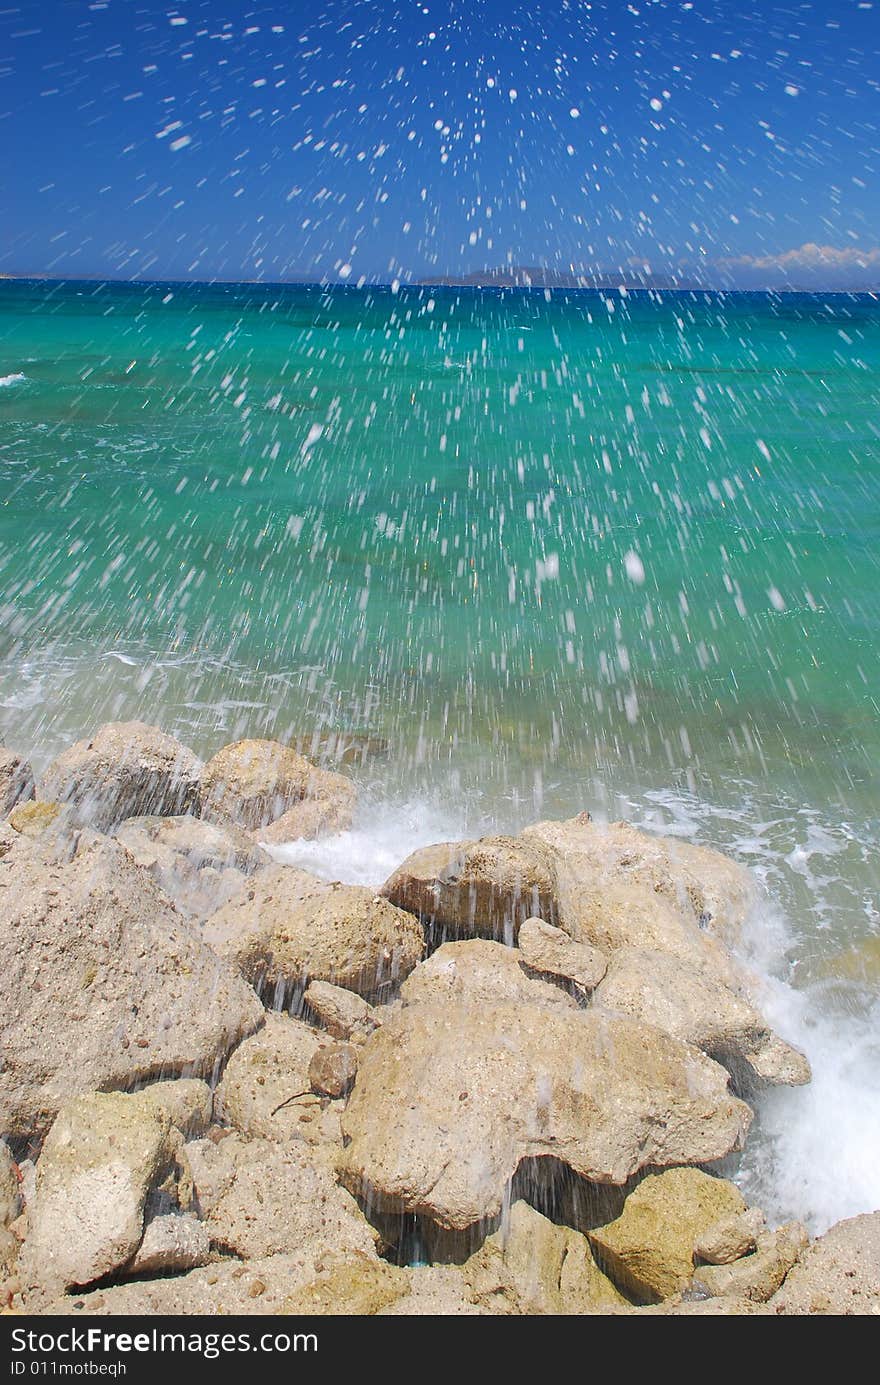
839 1274
199 864
649 1249
127 769
450 1097
485 888
699 1009
701 885
618 887
101 983
270 790
282 933
478 970
16 781
266 1091
100 1161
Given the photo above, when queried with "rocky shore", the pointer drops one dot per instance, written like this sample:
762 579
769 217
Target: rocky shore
502 1084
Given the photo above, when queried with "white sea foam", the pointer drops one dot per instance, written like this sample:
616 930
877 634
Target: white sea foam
16 379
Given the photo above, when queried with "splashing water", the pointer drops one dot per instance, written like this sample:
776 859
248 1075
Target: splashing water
552 551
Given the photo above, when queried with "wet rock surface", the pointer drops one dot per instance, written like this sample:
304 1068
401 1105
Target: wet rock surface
514 1061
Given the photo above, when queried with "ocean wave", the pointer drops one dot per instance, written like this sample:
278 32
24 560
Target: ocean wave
16 379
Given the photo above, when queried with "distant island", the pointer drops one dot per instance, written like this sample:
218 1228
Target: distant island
537 277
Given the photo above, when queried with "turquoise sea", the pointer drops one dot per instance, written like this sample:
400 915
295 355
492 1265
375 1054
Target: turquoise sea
548 550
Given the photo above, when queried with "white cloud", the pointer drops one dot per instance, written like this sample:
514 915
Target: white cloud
809 256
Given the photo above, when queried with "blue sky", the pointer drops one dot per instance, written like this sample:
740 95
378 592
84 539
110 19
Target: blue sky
362 138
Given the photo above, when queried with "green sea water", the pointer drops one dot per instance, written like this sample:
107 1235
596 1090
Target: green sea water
554 550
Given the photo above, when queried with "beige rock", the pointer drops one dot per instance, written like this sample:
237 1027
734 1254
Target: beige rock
125 770
256 1288
31 819
328 807
255 783
450 1098
283 1198
540 1268
548 949
265 900
730 1238
101 983
701 886
10 1195
478 970
16 781
441 1291
649 1248
699 1009
488 887
102 1157
343 933
266 1088
342 1013
839 1274
617 887
353 1286
679 1307
171 1245
757 1276
199 864
188 1104
333 1070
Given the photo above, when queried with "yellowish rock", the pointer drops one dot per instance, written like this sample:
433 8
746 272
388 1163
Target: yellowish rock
649 1248
355 1286
538 1267
32 818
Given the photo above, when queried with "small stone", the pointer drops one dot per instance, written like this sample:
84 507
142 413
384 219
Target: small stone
730 1238
333 1069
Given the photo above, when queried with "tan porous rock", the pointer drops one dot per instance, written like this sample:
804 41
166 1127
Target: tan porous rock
450 1098
199 864
730 1238
701 1010
548 949
16 781
344 934
838 1274
759 1275
101 983
266 1088
258 783
262 903
257 1288
441 1291
333 1069
344 1014
171 1244
486 888
187 1102
649 1248
125 770
354 1285
702 886
101 1159
285 1198
539 1268
478 970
